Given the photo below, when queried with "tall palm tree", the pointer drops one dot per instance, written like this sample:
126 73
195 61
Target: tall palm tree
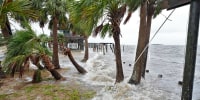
27 44
111 12
147 10
57 9
137 71
12 8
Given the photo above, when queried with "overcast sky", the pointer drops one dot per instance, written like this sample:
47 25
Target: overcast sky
172 33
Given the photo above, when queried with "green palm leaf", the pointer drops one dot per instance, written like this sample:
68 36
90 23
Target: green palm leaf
22 45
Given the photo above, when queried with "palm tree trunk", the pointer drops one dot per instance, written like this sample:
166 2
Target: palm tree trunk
137 70
2 73
37 76
86 55
147 36
55 43
119 75
50 67
35 59
6 29
78 67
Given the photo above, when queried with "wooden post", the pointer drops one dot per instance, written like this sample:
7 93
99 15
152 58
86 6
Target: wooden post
97 47
106 47
103 47
191 49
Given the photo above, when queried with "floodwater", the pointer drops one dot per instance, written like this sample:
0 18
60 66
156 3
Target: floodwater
165 60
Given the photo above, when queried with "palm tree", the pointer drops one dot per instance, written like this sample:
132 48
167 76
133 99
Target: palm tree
12 8
111 12
78 27
28 44
147 10
57 9
86 54
136 75
80 69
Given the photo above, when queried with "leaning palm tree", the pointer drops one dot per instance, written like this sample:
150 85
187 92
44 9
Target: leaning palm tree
80 69
77 30
78 27
110 13
22 46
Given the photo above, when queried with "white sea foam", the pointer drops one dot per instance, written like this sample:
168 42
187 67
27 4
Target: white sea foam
102 72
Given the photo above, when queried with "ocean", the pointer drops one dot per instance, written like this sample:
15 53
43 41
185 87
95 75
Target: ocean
165 60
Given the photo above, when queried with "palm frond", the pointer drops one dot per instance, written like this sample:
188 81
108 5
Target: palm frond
22 45
157 9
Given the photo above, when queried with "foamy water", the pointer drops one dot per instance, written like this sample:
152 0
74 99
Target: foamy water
165 60
162 59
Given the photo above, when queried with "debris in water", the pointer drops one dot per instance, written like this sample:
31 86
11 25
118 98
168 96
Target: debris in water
160 76
180 82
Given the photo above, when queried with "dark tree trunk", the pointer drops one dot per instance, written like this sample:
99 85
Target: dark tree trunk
6 29
36 61
146 37
50 67
78 67
137 70
13 68
119 74
55 74
2 74
55 44
86 55
37 76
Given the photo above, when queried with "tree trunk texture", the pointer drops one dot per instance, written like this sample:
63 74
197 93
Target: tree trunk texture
119 74
50 67
13 68
78 67
136 75
2 73
86 55
55 44
6 29
35 59
37 76
146 37
24 67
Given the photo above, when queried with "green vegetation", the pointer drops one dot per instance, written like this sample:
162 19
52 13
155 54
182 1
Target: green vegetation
50 92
